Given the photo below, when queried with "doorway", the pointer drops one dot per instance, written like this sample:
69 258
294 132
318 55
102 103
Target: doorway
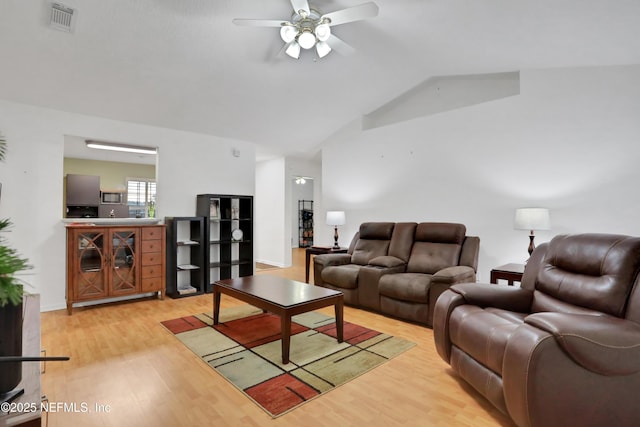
302 198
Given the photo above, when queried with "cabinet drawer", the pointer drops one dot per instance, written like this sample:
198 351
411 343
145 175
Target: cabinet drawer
152 233
151 258
151 271
151 246
151 284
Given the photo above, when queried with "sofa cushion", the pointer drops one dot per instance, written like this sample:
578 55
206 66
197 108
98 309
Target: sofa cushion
386 262
440 232
429 258
594 271
483 334
437 246
402 240
376 230
342 276
373 241
412 287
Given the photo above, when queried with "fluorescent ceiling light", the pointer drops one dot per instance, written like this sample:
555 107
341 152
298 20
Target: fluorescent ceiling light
121 147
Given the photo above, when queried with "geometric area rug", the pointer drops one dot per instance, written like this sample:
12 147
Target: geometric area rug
245 348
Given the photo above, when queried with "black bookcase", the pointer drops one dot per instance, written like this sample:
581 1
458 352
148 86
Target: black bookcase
229 231
305 223
185 256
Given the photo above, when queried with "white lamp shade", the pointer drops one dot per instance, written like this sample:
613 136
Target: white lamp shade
293 50
288 33
532 219
306 40
323 49
336 218
323 32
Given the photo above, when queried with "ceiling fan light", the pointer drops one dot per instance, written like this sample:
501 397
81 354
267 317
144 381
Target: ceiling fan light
288 33
293 50
306 40
323 49
323 32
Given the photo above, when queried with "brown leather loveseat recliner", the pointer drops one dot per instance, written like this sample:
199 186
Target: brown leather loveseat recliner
564 348
400 269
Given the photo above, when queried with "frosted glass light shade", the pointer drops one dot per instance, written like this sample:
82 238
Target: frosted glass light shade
532 219
293 50
336 218
306 40
288 33
323 49
323 31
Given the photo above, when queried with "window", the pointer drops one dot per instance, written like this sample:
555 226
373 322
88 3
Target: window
141 197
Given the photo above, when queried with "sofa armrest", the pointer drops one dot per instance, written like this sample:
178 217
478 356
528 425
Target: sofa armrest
445 304
456 274
326 260
503 297
386 261
443 279
604 344
320 262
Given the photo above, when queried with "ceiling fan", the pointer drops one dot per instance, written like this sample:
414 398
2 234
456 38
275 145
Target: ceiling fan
308 27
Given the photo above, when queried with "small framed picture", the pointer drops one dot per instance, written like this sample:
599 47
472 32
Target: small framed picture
214 209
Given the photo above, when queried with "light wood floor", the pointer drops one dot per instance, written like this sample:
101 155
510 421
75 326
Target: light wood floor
123 359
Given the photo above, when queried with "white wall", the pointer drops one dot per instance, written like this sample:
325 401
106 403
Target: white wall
32 178
570 142
271 234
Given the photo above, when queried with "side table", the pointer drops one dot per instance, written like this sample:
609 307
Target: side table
318 250
509 272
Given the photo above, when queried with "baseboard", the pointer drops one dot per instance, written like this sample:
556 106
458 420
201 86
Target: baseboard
275 264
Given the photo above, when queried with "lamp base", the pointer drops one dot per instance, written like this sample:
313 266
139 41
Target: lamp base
532 246
335 238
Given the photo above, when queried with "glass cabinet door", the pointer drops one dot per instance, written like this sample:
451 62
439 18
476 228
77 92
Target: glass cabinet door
90 274
123 261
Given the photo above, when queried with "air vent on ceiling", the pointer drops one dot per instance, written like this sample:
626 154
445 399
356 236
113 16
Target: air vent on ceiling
62 17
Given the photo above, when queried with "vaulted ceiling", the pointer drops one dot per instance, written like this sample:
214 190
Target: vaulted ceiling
182 64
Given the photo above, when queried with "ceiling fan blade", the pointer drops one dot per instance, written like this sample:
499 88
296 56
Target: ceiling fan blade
300 5
258 22
355 13
340 46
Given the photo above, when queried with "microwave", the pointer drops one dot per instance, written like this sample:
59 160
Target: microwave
112 198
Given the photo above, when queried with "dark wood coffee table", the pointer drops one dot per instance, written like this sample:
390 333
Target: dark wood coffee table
280 296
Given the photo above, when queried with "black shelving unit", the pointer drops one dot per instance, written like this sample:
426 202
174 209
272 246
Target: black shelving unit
185 256
229 252
305 223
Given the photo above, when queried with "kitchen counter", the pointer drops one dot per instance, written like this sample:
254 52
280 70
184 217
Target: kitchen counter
110 221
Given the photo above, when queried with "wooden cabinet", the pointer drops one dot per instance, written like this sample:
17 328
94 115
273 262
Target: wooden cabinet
152 250
114 261
229 231
185 256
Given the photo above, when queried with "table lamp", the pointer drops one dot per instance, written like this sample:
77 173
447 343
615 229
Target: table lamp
532 219
335 218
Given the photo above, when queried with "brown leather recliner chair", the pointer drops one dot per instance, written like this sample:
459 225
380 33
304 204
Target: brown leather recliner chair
564 348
